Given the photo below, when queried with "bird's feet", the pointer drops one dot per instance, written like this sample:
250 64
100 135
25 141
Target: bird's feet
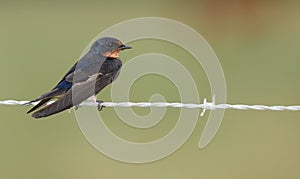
77 106
100 106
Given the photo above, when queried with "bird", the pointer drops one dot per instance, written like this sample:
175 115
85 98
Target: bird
99 67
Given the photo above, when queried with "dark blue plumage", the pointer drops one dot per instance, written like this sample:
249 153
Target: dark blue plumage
64 85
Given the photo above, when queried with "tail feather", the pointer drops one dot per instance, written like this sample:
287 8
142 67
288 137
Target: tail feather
45 98
50 94
42 102
56 107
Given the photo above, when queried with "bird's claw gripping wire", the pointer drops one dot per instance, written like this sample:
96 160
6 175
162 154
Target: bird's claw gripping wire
100 106
77 106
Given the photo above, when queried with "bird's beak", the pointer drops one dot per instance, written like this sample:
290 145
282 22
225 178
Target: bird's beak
124 47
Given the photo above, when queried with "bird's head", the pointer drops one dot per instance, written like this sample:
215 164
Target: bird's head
108 46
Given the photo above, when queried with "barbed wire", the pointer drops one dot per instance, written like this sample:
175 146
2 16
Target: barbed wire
205 105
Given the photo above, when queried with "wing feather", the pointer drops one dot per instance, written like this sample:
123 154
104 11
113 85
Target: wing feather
78 93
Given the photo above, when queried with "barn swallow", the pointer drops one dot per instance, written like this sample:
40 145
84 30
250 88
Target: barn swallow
99 67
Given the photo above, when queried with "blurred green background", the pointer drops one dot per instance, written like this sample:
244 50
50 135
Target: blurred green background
257 43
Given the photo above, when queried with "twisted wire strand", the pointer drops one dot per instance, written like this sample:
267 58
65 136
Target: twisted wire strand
205 105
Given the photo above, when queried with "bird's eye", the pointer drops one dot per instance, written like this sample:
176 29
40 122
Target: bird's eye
110 44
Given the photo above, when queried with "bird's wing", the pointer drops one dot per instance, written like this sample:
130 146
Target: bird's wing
80 72
78 93
62 87
45 98
83 69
